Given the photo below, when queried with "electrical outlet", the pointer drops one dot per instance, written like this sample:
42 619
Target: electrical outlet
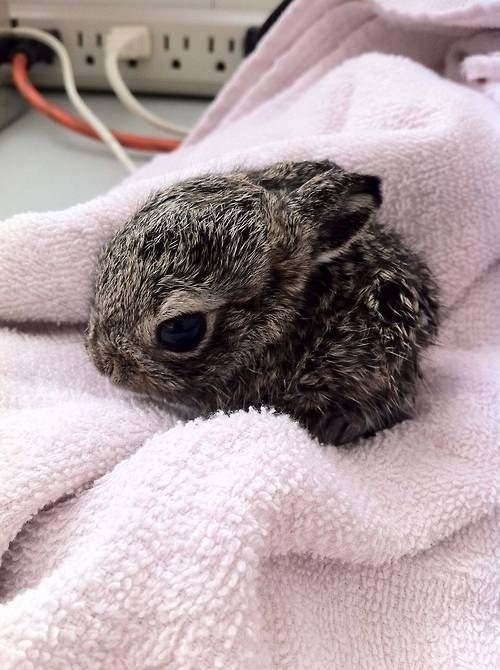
196 46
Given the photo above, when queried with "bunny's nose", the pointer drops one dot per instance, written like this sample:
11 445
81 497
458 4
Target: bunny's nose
120 370
116 372
112 363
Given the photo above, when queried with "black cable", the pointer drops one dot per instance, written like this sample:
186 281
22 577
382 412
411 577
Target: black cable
36 52
256 33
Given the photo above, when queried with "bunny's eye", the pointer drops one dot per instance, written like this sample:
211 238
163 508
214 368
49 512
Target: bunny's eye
183 333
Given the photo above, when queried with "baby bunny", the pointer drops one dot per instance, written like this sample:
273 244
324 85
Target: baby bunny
269 288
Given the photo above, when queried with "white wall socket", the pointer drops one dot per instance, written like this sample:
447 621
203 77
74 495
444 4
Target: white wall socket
196 44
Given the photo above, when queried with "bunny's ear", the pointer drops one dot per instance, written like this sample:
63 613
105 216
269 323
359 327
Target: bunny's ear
338 205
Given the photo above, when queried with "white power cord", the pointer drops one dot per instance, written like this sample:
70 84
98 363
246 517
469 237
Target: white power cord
69 84
132 43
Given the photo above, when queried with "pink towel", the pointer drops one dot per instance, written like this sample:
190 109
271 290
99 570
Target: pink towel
129 541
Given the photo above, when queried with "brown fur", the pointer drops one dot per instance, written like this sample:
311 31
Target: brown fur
311 306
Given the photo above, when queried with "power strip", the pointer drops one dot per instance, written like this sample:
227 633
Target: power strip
196 44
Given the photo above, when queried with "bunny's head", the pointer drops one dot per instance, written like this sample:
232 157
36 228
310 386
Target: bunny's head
206 281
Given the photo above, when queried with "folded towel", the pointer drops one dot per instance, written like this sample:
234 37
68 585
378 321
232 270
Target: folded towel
130 539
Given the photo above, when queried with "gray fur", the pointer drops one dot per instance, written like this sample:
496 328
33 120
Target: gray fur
312 306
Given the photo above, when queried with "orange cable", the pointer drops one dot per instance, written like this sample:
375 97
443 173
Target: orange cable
23 84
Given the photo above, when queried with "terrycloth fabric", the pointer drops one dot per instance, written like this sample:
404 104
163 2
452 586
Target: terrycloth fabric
239 542
476 60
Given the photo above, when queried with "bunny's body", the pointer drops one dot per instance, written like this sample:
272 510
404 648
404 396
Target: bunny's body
273 288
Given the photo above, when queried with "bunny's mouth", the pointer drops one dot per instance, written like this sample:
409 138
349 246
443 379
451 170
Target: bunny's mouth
129 376
120 370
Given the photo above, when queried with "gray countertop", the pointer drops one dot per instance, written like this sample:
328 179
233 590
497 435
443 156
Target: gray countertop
46 167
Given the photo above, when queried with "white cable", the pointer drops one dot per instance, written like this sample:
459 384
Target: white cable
132 42
69 84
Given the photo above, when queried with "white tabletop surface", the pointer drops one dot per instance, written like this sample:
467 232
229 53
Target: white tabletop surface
45 167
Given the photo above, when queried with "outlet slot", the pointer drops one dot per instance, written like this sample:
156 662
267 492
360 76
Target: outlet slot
79 38
220 66
132 63
211 44
176 64
98 40
185 43
90 60
166 42
231 45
